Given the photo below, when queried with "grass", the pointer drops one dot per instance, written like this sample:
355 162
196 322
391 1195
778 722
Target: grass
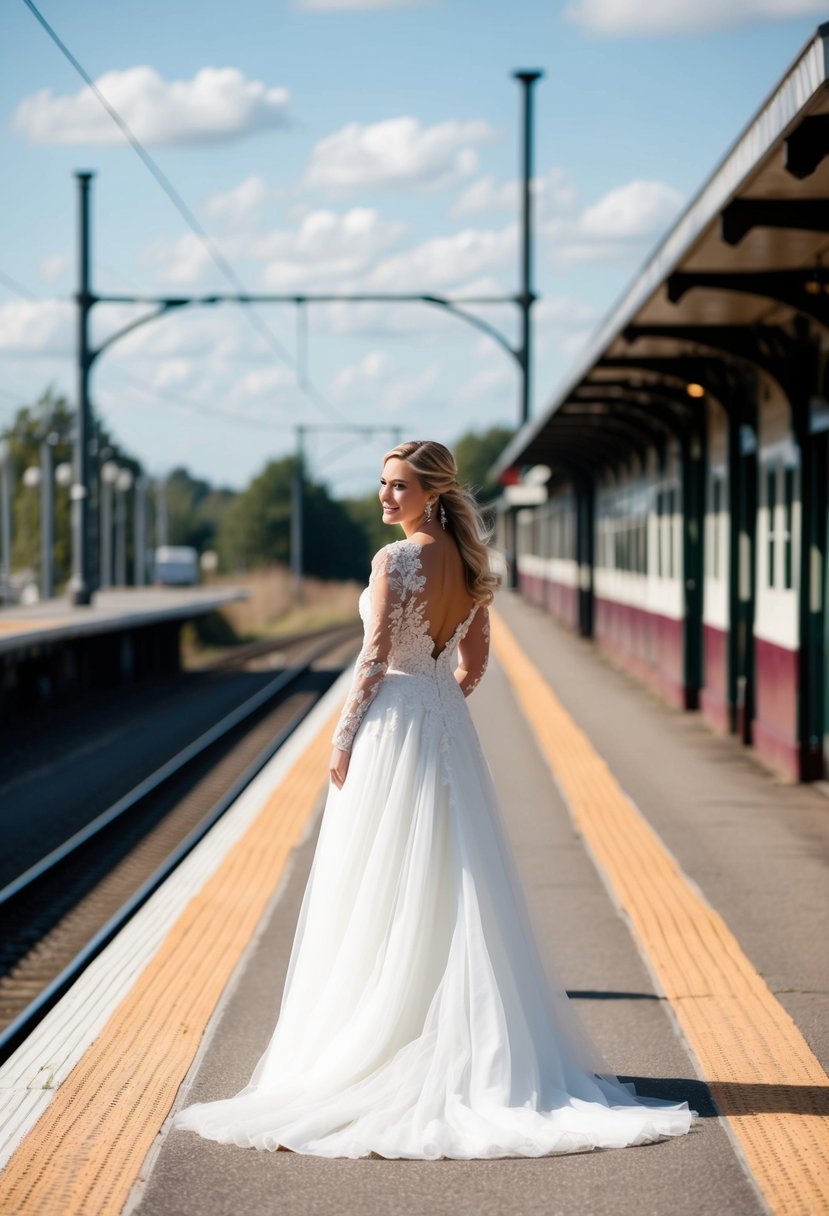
270 610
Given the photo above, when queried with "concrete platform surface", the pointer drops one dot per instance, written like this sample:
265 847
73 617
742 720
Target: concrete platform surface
756 848
111 610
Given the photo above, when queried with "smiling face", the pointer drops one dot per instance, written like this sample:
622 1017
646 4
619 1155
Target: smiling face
402 496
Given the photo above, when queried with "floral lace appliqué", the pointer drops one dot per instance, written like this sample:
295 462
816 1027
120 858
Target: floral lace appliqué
397 640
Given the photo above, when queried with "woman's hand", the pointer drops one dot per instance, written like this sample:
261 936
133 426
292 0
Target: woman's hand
338 766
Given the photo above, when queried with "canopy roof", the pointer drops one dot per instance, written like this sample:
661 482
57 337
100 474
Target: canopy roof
739 280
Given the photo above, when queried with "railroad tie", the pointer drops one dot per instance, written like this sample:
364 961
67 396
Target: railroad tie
86 1150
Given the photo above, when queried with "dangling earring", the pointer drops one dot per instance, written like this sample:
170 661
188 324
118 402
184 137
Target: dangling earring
443 516
428 512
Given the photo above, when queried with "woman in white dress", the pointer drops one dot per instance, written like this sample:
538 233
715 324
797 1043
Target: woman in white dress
417 1019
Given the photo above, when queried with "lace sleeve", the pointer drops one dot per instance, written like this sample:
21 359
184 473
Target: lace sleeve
373 659
473 652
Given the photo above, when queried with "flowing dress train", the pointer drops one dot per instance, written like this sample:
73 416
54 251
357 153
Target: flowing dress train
417 1018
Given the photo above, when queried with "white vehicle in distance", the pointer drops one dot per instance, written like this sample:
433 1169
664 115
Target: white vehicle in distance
175 566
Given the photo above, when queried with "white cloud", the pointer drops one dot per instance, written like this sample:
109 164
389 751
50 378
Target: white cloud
553 192
376 382
218 104
355 378
448 263
53 267
37 327
619 227
375 320
199 333
631 212
171 373
262 385
397 153
180 263
612 18
563 313
240 204
325 249
564 324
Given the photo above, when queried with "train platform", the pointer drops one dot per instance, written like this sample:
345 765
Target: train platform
113 610
679 887
54 651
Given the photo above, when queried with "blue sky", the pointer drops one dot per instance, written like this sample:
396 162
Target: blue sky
350 145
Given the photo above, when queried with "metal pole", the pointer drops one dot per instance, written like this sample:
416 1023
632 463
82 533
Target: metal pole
161 512
106 533
297 511
526 299
47 518
80 590
120 536
5 521
139 540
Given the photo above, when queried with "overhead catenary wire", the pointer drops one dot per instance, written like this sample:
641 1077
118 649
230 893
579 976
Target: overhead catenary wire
197 408
190 219
16 288
175 400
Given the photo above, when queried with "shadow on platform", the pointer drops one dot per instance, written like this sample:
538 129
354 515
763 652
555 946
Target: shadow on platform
731 1098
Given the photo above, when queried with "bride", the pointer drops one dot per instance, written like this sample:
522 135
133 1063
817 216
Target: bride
417 1019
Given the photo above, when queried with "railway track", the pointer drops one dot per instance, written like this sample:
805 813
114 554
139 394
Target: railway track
59 914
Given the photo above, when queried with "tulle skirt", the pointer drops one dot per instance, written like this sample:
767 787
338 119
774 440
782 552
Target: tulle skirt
418 1019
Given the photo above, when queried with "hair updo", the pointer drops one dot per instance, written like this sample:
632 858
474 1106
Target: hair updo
435 468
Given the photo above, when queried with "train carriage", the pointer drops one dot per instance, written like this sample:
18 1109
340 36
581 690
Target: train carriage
686 516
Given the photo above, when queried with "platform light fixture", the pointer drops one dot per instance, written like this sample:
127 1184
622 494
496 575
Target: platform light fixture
694 390
817 282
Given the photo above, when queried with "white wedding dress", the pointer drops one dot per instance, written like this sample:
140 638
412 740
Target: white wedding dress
417 1018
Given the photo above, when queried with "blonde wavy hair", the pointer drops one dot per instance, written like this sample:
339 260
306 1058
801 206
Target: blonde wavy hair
435 468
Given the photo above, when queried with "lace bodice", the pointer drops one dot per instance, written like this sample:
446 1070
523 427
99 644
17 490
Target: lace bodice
397 636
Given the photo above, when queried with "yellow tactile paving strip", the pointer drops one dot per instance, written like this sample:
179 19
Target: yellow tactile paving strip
24 626
760 1070
84 1154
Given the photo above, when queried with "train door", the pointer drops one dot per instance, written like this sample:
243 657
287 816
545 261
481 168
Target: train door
585 555
693 537
743 633
811 707
822 455
820 587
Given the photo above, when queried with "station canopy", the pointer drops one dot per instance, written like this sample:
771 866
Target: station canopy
740 282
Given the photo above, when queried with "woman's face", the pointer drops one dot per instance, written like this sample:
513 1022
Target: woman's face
402 496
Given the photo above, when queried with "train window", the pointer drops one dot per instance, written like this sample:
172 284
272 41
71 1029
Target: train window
771 506
671 511
788 502
659 534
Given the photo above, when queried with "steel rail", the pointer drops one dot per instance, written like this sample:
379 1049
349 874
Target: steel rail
172 766
19 1029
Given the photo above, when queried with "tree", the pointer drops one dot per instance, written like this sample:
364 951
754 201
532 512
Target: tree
256 528
476 454
49 416
52 418
194 509
367 515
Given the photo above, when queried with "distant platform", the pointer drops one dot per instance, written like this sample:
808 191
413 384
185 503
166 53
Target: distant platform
55 651
113 610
